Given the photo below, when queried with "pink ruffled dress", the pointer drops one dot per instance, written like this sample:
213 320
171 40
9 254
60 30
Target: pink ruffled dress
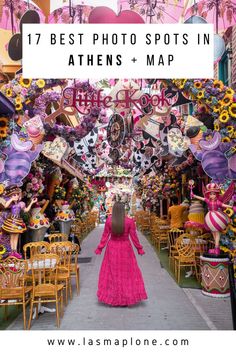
120 279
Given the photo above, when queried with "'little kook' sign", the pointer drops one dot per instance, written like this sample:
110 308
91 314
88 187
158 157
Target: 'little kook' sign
76 100
127 98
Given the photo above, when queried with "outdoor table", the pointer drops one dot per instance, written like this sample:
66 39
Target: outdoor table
199 241
164 227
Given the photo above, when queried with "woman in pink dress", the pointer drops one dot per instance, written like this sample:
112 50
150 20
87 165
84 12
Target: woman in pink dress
120 279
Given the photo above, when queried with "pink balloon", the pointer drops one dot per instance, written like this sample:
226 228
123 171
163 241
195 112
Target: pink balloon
103 14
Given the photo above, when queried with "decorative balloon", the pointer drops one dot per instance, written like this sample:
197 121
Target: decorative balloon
103 14
15 44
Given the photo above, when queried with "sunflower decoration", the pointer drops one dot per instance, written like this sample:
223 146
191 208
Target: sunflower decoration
230 130
224 116
25 82
218 84
229 91
200 94
232 227
216 126
217 108
27 101
2 249
18 100
197 85
2 188
224 249
180 83
226 139
232 110
227 100
40 83
209 101
9 92
18 106
229 212
3 127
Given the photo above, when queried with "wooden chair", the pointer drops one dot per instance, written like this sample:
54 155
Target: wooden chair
145 225
162 238
74 266
64 251
155 233
76 230
185 247
57 237
32 248
173 234
83 228
13 290
45 285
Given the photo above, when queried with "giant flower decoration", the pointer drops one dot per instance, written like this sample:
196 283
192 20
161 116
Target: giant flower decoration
214 104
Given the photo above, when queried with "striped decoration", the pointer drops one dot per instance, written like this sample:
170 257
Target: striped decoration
216 220
14 225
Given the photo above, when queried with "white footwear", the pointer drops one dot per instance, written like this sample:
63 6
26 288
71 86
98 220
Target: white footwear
188 274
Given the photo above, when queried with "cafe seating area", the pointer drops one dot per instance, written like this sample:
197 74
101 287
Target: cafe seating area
182 248
47 274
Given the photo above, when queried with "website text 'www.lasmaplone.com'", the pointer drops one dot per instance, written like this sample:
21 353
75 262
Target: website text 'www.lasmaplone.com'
118 342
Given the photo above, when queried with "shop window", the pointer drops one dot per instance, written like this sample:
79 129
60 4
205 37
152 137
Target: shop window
224 69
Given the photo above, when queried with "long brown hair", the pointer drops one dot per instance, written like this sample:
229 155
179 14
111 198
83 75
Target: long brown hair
118 218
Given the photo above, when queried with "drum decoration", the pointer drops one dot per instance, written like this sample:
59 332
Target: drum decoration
215 277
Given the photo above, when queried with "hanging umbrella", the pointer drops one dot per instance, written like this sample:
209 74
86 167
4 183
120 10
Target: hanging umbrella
94 3
155 11
76 11
70 14
222 13
13 10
